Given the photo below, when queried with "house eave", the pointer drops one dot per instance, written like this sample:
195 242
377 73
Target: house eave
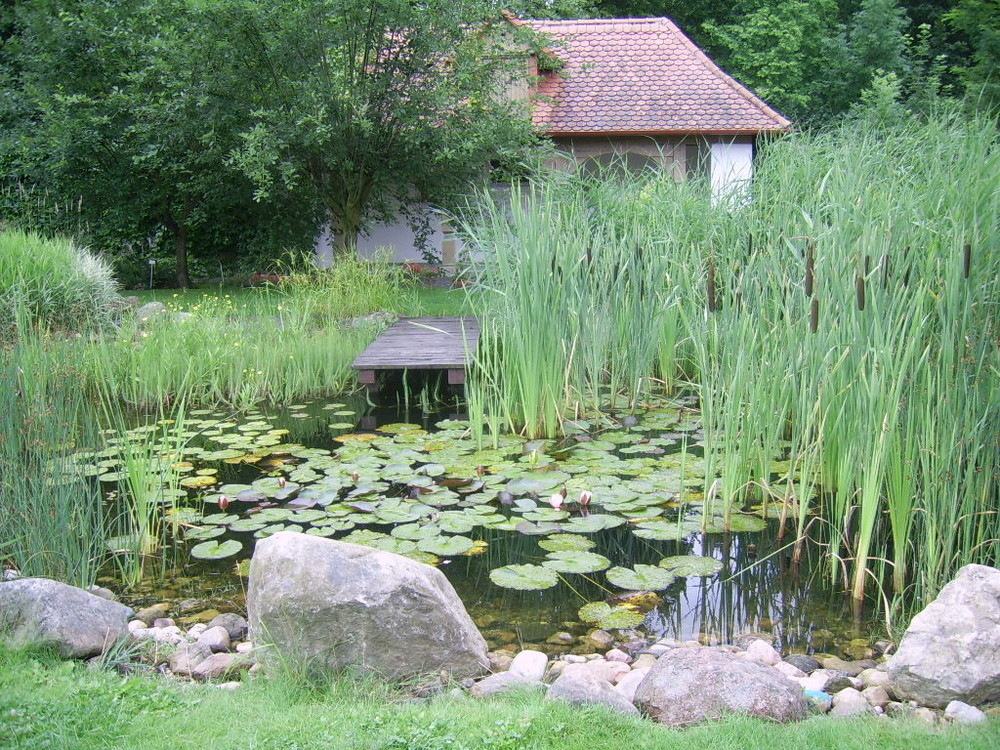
669 132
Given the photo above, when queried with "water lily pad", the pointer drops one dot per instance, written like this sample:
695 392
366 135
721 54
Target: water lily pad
641 578
593 523
247 524
213 550
691 566
524 577
445 546
367 537
566 543
664 530
203 532
576 562
608 617
538 482
219 519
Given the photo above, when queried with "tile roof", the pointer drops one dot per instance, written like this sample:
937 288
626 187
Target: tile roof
640 76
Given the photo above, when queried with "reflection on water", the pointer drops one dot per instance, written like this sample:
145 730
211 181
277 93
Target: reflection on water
757 590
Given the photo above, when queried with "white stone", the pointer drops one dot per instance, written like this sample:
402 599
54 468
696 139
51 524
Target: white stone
963 713
244 648
616 654
135 625
763 653
609 671
789 670
850 702
876 695
529 664
629 682
196 630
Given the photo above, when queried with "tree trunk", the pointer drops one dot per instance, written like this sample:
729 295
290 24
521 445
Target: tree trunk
179 230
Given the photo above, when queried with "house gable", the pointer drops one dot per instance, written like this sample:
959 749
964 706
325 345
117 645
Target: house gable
640 77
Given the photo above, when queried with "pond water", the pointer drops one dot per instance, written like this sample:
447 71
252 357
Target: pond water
416 484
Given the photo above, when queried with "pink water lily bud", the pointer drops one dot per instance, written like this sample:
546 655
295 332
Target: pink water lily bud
223 502
282 482
585 497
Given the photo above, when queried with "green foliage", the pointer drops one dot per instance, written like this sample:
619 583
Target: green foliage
979 21
52 285
53 522
369 109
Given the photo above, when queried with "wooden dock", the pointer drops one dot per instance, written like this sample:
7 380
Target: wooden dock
422 344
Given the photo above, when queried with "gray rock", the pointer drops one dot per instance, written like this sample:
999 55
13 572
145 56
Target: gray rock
103 593
963 713
610 671
216 639
327 604
926 715
163 622
582 689
216 667
850 668
789 670
951 650
40 612
186 657
850 702
827 681
236 626
150 310
530 664
601 638
687 686
151 614
804 662
875 677
876 696
498 684
500 661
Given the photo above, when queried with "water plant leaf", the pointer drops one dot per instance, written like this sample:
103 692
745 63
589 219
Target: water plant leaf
593 523
610 618
691 566
247 524
572 561
566 543
213 550
219 519
664 530
538 482
524 577
203 532
640 578
445 546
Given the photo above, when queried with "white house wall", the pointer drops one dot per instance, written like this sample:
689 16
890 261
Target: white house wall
731 170
395 240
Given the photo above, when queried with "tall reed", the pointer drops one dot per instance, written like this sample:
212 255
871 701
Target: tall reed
847 313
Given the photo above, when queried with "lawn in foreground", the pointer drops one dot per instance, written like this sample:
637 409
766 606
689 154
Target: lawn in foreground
45 703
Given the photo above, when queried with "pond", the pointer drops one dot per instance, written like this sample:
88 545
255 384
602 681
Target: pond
543 540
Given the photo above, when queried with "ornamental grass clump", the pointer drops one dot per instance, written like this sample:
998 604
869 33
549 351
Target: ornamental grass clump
51 284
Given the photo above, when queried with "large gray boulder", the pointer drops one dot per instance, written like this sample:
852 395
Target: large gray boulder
41 612
690 685
951 651
321 603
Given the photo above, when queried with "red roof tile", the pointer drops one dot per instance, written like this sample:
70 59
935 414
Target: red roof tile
640 76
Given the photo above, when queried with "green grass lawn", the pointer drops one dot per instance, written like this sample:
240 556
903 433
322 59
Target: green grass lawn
253 300
45 703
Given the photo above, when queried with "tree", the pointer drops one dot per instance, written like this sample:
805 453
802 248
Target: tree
369 108
130 116
979 21
783 51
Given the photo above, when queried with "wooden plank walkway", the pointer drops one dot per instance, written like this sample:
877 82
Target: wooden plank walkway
421 344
